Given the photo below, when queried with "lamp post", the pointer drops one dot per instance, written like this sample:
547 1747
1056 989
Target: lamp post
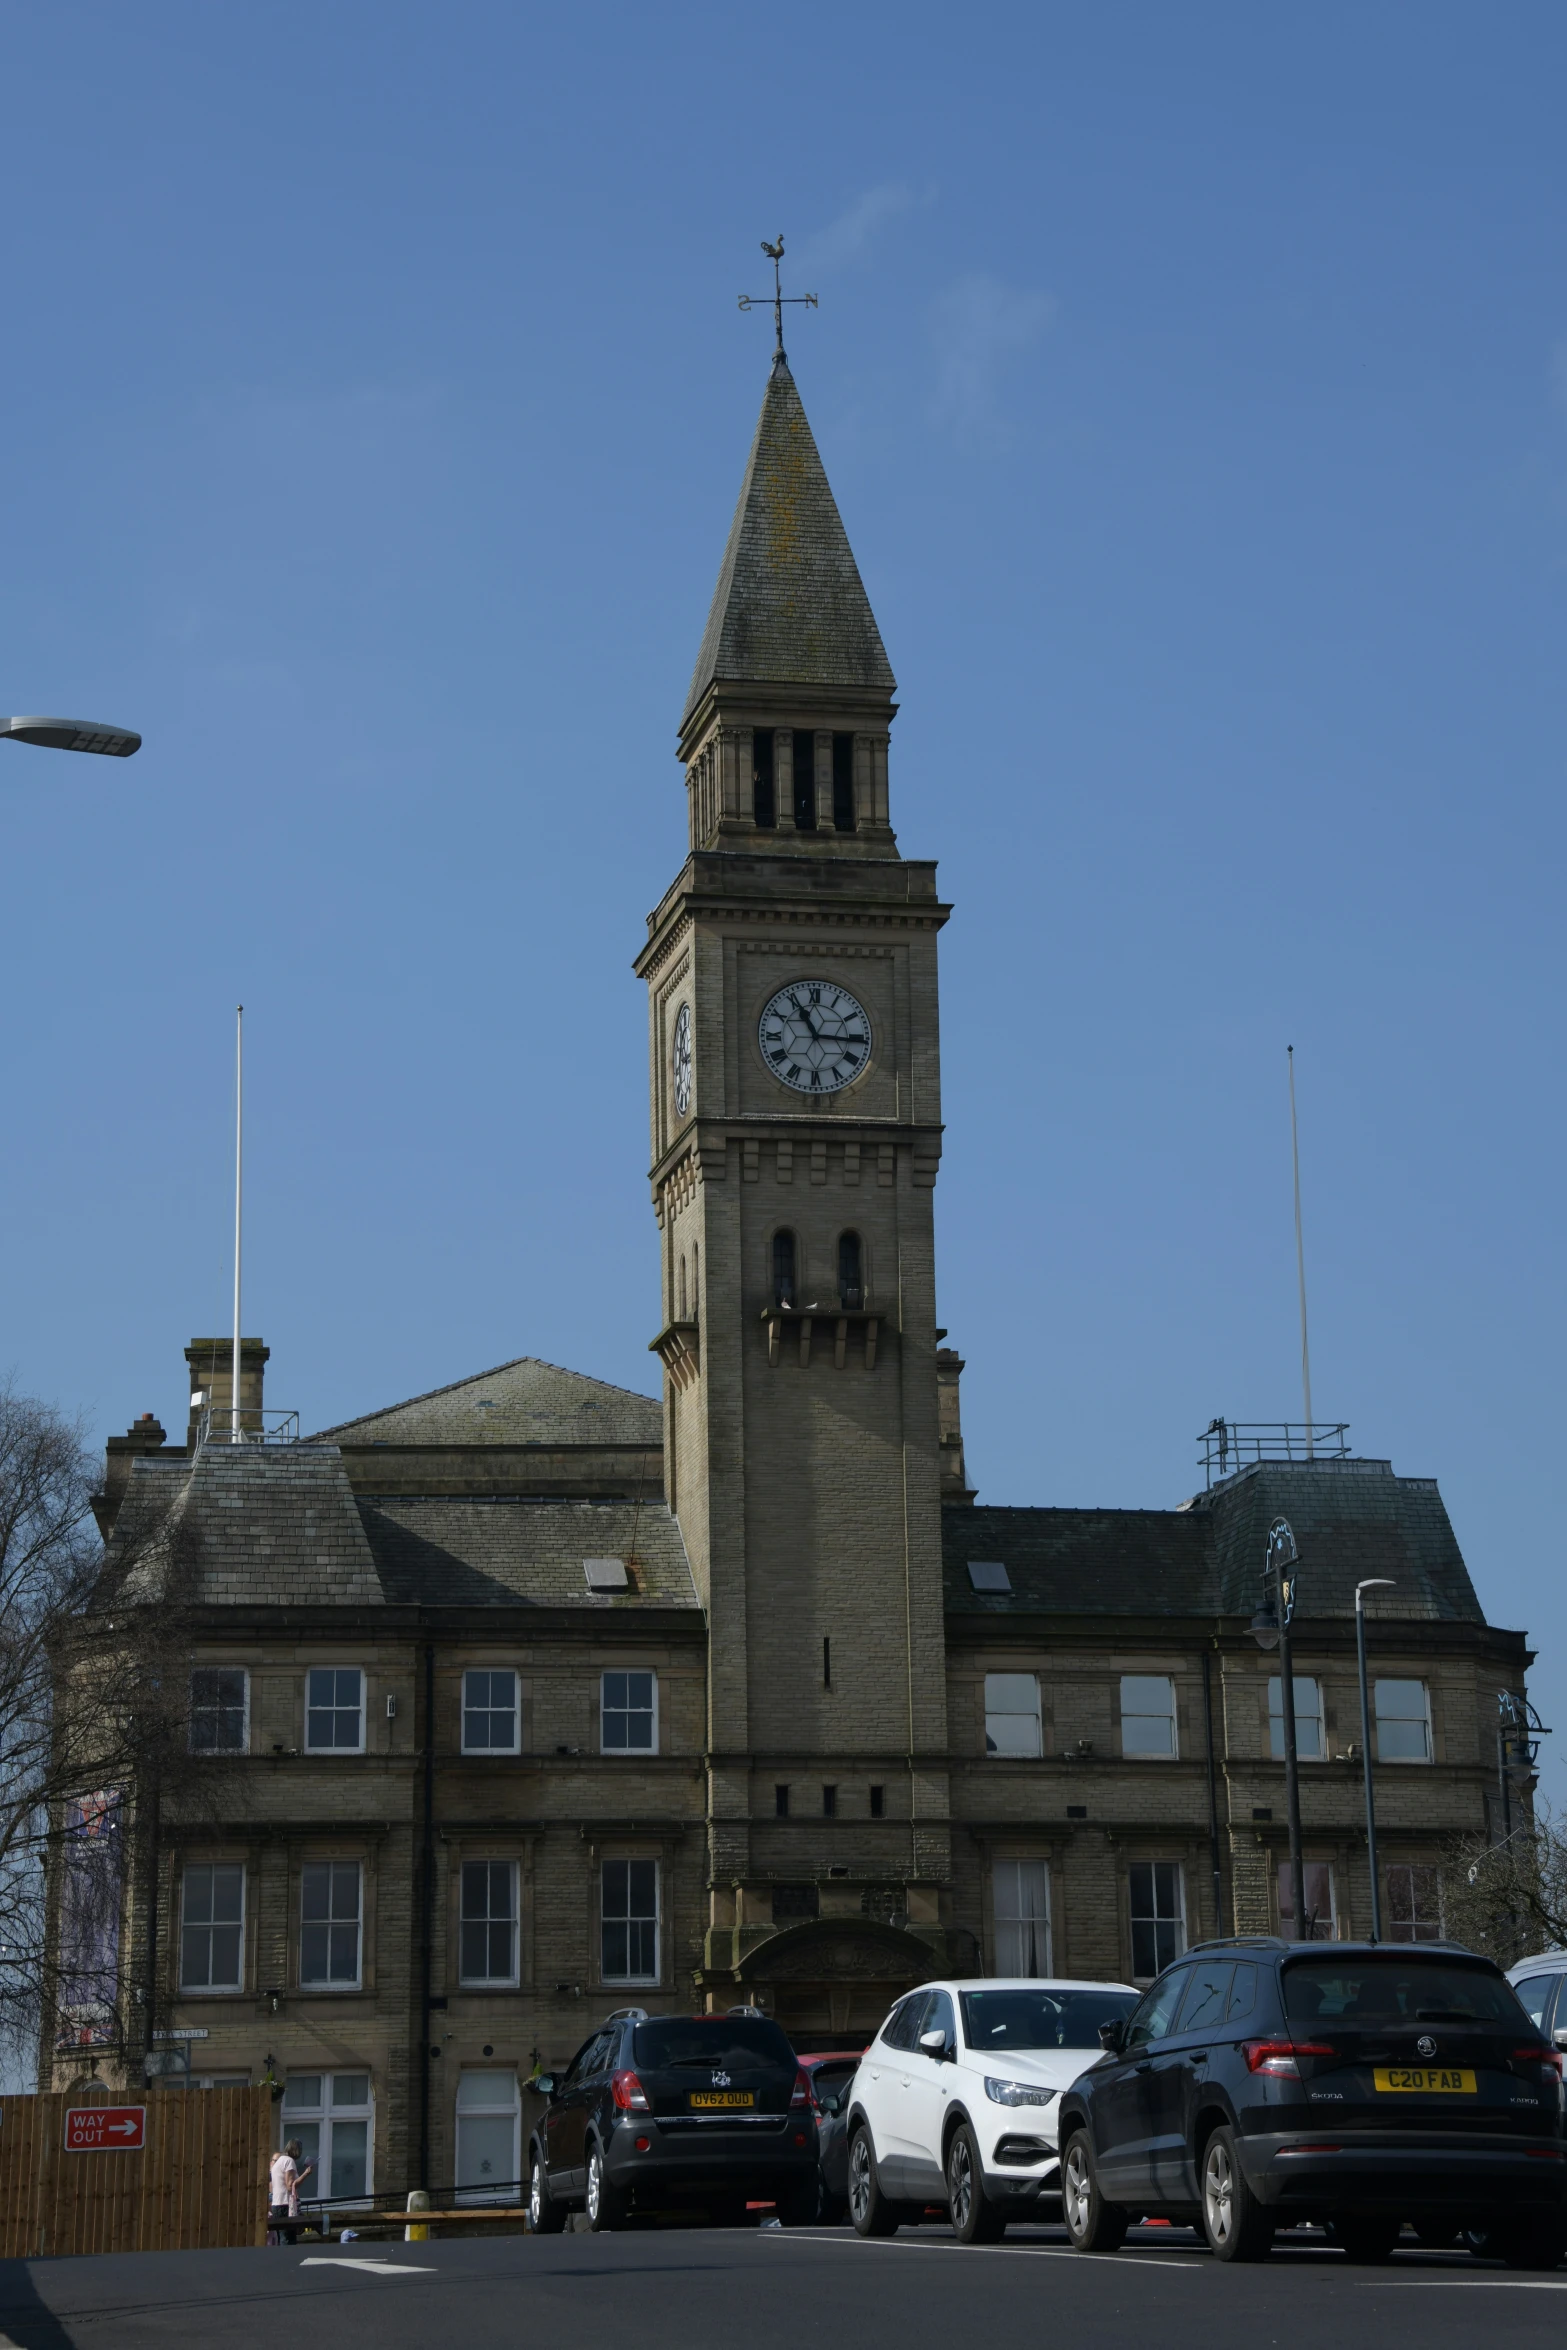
1372 1583
1271 1629
72 734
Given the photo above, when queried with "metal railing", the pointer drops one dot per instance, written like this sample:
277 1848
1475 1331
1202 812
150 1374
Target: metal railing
216 1426
1228 1446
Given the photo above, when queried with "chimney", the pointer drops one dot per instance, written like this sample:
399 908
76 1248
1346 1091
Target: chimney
211 1362
119 1455
954 1477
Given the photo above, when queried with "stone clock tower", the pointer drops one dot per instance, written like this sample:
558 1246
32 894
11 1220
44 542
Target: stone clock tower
796 1116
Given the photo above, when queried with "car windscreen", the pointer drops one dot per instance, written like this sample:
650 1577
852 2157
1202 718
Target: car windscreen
1041 2019
736 2042
1387 1990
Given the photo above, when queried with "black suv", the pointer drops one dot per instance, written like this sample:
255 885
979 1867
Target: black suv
1260 2084
655 2111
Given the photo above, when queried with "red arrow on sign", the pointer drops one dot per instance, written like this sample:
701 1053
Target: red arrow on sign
108 2129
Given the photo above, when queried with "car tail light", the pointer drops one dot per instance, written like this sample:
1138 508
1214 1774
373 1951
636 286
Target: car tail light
1277 2057
1539 2054
802 2089
629 2093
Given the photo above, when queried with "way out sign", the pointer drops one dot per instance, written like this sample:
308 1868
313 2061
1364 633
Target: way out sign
105 2129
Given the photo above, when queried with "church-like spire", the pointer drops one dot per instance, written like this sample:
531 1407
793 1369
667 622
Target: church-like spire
790 607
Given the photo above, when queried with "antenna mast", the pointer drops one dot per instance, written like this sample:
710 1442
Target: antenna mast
239 1195
1300 1263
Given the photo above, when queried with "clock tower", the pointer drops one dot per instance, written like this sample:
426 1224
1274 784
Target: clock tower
796 1117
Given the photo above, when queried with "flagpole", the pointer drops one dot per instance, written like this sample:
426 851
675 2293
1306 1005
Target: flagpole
239 1195
1300 1261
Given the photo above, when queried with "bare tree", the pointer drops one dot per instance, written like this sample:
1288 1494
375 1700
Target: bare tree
1509 1898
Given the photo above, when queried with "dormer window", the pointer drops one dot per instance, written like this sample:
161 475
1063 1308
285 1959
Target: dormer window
783 1268
804 780
851 1284
764 797
843 782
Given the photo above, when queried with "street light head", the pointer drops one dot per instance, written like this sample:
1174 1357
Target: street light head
1372 1583
1265 1628
73 734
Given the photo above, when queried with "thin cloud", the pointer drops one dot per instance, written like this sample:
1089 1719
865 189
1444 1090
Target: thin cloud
979 326
850 237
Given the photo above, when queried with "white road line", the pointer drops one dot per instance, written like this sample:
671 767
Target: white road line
1482 2284
1007 2251
372 2268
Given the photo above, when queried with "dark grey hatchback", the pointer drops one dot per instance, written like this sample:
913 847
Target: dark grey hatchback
1259 2084
657 2111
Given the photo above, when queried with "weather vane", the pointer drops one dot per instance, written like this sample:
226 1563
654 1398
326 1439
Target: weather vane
777 297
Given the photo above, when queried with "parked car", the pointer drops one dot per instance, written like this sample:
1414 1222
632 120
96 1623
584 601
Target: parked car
952 2100
831 2078
1539 1983
1263 2083
655 2111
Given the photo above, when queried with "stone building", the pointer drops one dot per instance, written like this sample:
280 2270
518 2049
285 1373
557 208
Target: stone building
532 1697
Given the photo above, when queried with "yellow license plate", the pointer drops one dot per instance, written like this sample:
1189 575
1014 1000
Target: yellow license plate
706 2099
1431 2079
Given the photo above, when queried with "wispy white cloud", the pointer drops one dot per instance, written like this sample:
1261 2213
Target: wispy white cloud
979 325
850 237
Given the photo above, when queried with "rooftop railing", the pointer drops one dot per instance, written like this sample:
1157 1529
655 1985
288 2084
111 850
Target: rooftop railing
216 1426
1227 1446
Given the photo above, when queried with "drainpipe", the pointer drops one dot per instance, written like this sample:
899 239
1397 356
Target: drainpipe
1213 1796
426 1913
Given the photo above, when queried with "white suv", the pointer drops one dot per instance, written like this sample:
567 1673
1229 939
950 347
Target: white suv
952 2102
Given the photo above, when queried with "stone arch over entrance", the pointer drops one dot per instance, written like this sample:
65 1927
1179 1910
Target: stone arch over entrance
834 1979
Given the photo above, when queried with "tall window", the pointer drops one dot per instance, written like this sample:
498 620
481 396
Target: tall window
764 799
488 1930
489 1713
1022 1890
851 1285
1012 1724
628 1713
331 2114
1414 1902
843 782
783 1268
489 2149
628 1921
219 1710
1310 1744
1147 1714
334 1710
1158 1909
1403 1722
212 1928
804 780
1321 1919
330 1923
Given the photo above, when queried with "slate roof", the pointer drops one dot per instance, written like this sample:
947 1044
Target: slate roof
790 606
522 1402
453 1552
1352 1520
248 1523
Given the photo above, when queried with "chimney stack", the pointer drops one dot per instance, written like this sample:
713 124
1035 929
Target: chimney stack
211 1362
954 1477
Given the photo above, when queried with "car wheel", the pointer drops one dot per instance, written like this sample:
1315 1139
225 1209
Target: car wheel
1364 2236
869 2208
1092 2224
1530 2243
975 2219
1236 2225
546 2217
606 2205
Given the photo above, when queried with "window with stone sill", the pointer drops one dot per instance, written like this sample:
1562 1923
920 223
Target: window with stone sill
212 1927
334 1710
1148 1715
1403 1715
219 1710
1310 1741
1012 1715
491 1715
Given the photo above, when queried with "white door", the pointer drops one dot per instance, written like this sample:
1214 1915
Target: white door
878 2088
930 2080
488 2138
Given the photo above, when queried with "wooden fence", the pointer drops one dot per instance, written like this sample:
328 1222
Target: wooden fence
198 2182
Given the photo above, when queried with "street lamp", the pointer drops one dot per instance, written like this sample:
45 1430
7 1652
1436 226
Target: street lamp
1372 1583
1271 1628
72 734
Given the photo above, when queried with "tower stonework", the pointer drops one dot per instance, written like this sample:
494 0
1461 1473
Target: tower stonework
794 1159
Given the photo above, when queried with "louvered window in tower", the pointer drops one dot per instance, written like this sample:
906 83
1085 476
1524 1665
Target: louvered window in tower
851 1286
843 782
804 780
783 1268
764 803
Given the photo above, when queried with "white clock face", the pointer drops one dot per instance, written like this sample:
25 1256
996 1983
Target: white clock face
814 1036
682 1060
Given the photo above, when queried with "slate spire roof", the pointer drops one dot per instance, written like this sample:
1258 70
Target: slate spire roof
790 607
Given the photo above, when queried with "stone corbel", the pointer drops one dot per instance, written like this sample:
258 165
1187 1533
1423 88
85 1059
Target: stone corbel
678 1347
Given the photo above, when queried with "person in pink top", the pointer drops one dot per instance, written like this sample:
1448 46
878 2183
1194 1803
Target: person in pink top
284 2180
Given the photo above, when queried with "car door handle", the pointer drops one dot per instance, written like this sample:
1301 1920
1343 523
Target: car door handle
1198 2058
1145 2067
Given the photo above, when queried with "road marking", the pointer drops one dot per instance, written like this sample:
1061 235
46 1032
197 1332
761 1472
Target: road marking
372 2268
1007 2251
1491 2284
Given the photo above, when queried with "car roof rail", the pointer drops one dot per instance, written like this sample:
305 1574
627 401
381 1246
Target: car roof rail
1241 1942
626 2015
744 2010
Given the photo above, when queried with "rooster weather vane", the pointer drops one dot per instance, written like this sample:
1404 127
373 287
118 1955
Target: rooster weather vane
777 298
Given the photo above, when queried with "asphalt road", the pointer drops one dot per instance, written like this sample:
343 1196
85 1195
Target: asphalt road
689 2288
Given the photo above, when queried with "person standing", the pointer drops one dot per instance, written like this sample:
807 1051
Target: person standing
284 2180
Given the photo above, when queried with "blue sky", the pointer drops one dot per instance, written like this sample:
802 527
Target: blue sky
1194 386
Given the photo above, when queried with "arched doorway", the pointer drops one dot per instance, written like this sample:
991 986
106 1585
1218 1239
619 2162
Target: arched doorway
830 1982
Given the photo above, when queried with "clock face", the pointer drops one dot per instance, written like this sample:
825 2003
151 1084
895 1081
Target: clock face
814 1036
682 1060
